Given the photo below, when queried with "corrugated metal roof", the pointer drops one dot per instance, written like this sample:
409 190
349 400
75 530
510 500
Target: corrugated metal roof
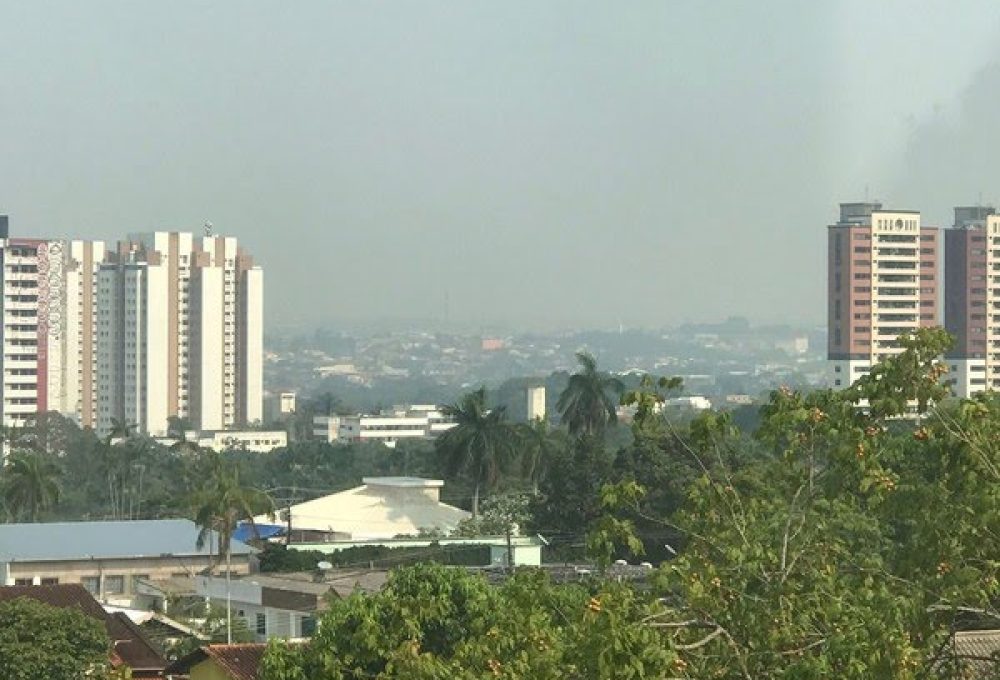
83 540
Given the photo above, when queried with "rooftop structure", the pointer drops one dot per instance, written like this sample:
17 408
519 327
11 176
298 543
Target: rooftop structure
220 662
384 507
107 558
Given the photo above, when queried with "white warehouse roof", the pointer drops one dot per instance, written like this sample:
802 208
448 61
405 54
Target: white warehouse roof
383 507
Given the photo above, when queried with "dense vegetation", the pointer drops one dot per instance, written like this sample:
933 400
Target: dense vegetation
40 642
848 536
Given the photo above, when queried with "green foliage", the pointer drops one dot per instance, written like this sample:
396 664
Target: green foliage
610 531
913 376
222 502
482 442
39 642
435 622
587 406
502 514
278 558
30 484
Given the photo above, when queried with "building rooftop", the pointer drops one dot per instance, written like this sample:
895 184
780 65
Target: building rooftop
383 508
102 540
404 482
240 662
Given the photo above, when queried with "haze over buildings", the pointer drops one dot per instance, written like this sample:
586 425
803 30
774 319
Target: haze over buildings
516 156
163 326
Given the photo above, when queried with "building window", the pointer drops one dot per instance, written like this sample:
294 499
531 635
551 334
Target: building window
50 581
22 582
92 584
308 626
261 624
114 585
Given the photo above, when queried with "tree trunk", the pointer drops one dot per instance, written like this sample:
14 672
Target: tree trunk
475 502
510 551
229 597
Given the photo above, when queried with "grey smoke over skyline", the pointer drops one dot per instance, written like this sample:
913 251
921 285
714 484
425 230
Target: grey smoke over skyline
537 164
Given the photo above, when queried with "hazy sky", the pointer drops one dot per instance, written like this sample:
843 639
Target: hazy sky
545 163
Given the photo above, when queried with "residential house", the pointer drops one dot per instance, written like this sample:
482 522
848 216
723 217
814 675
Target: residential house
219 662
131 648
108 558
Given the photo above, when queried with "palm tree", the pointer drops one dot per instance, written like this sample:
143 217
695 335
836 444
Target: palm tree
540 443
482 441
219 508
587 405
30 484
223 502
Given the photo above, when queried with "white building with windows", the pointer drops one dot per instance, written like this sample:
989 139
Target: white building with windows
180 333
419 421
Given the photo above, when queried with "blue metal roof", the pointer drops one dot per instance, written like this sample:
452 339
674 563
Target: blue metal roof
244 532
102 540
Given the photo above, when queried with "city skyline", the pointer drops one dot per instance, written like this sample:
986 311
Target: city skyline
162 326
564 164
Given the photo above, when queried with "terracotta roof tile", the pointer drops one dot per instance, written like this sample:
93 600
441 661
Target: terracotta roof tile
240 661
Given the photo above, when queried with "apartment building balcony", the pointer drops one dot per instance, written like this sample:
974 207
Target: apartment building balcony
20 335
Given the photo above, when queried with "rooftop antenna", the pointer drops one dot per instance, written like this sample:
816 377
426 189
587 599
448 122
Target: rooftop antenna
208 228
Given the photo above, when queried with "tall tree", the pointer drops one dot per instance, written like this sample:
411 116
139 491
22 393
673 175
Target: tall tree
589 404
540 445
223 502
30 484
220 506
483 442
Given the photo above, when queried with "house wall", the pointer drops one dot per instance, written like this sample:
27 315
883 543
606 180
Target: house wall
75 571
250 600
208 670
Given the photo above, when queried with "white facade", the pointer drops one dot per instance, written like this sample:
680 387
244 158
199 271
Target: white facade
843 372
256 441
536 403
967 377
131 342
895 286
78 397
403 422
24 344
255 604
185 314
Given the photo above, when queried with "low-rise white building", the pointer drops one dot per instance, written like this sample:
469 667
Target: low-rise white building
384 507
419 421
257 441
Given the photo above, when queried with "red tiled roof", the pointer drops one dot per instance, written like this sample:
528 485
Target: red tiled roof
239 661
130 645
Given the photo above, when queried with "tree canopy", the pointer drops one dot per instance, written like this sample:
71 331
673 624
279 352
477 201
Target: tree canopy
41 642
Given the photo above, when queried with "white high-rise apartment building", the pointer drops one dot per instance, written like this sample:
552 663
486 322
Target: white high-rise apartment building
180 333
48 327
